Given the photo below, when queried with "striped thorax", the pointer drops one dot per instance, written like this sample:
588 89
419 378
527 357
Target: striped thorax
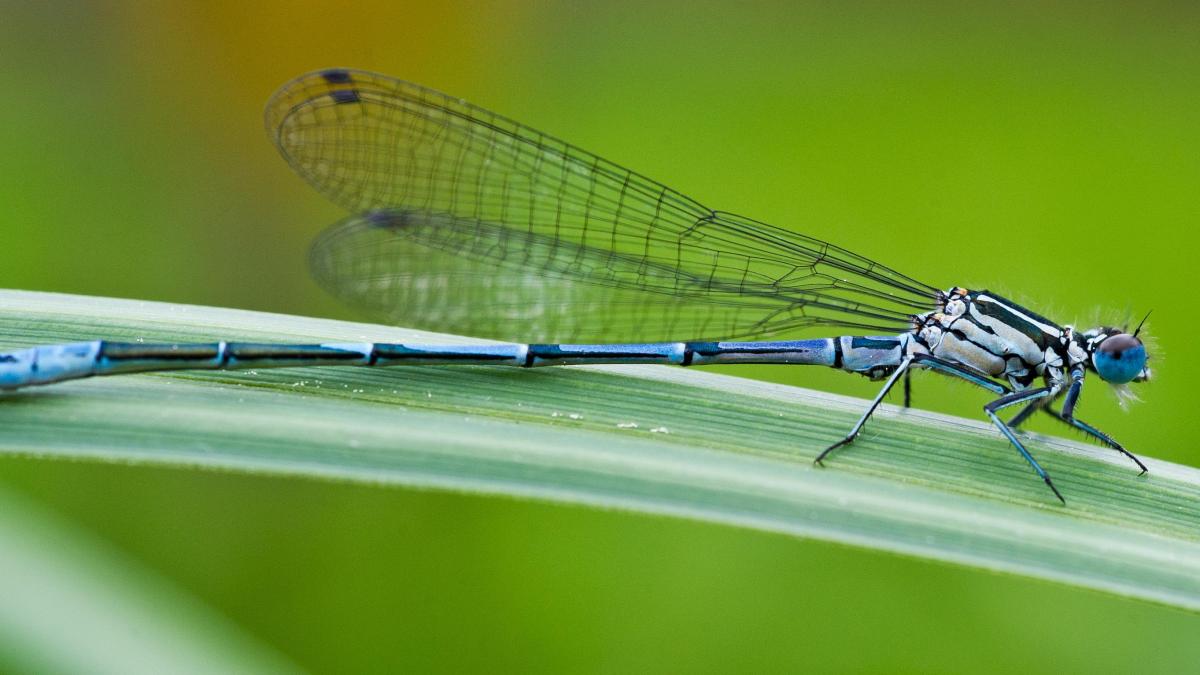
996 336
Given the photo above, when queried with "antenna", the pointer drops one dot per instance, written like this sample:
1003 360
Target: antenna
1139 328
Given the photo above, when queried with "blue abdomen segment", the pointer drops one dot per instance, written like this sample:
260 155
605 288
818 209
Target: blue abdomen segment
871 355
868 355
422 355
818 352
821 352
56 363
567 355
48 364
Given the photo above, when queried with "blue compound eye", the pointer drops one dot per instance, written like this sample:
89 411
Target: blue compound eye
1120 358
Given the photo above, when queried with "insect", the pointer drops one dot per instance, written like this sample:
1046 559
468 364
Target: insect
468 222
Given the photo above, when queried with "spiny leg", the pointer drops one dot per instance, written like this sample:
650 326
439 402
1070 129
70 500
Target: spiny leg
1068 415
967 373
926 361
1007 398
900 370
907 388
1086 428
1027 396
1099 436
1025 413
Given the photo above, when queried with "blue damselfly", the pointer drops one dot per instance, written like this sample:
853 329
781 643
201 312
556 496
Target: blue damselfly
468 222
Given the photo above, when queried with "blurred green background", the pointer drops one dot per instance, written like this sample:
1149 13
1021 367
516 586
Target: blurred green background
1050 152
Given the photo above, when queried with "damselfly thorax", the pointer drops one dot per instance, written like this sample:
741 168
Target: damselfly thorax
998 337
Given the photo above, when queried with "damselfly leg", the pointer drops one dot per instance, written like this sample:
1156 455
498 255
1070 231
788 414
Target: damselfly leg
902 369
1067 415
908 389
922 361
1026 413
1031 397
1099 436
1026 396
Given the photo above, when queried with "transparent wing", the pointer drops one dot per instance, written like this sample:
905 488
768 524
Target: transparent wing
448 274
469 222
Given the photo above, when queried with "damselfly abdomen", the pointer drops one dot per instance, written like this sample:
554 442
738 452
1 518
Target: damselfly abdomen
465 221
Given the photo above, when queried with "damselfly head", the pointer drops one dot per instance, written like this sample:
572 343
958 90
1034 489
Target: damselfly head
1119 357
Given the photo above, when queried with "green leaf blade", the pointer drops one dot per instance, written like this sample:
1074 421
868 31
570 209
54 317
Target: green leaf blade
647 439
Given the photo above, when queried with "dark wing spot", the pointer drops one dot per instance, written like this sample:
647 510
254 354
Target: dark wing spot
337 76
389 219
344 95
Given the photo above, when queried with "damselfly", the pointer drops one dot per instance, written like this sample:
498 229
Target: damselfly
466 221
